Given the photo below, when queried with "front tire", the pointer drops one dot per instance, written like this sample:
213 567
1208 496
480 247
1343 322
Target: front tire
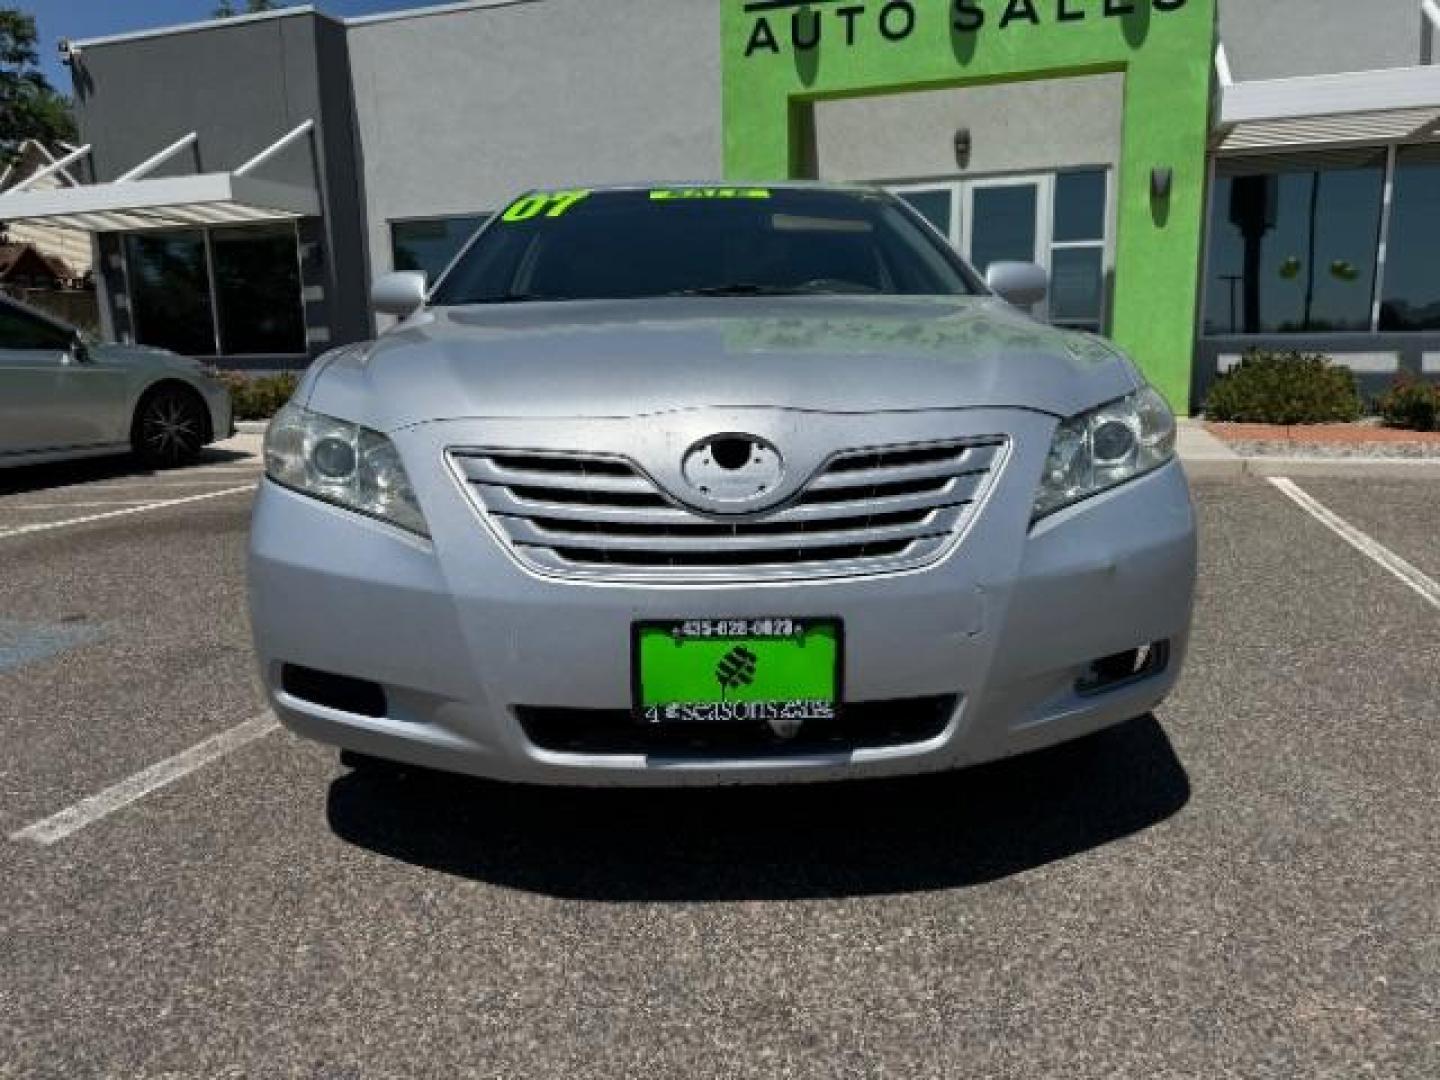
170 427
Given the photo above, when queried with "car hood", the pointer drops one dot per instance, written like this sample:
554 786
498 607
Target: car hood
629 358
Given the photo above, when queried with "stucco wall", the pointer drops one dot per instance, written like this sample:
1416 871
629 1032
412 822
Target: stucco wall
1274 39
1017 127
459 111
240 86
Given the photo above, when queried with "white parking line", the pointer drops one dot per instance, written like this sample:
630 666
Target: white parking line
48 526
71 820
90 505
104 488
126 483
1418 581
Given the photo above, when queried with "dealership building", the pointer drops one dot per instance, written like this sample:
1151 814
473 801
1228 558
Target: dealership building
1200 177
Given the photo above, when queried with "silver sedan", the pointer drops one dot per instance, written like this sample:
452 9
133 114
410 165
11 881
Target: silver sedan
713 485
64 397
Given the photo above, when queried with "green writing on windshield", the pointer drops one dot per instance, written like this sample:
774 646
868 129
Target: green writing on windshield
550 204
667 194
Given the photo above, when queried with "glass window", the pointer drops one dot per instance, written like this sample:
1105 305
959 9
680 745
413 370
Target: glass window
1077 279
429 245
934 205
627 244
1293 244
21 330
1411 299
170 291
1077 252
1003 226
1079 206
257 290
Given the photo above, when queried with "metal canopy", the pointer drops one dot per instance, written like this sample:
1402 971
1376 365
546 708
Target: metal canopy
1396 105
134 202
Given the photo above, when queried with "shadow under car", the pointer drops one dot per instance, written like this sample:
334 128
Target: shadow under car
802 841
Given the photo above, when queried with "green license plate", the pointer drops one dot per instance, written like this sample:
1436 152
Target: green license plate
718 670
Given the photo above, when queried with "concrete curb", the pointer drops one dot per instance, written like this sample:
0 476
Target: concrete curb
251 427
1207 458
1206 468
1373 467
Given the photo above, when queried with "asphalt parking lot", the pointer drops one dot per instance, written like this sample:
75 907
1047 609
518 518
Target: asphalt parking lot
1245 885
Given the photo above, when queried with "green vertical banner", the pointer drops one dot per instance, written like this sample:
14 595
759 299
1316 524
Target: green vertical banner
780 57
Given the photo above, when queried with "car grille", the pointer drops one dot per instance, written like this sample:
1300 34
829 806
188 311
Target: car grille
868 726
865 511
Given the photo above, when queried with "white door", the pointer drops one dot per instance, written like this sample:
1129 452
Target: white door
938 204
1007 220
1057 220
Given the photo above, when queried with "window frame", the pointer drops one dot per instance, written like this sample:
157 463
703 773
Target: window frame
962 226
1392 152
212 291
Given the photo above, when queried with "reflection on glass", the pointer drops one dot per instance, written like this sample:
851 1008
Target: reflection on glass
934 206
1411 298
1293 248
429 245
170 291
1077 286
1004 225
19 331
257 288
1080 206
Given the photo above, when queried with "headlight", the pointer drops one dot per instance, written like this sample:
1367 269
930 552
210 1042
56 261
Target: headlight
1104 448
341 463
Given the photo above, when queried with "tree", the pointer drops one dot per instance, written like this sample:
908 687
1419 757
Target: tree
225 9
30 108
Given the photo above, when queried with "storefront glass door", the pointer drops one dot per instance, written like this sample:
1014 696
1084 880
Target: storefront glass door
1057 220
1005 222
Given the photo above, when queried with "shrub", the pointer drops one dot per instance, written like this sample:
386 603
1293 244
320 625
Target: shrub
1411 404
258 397
1285 388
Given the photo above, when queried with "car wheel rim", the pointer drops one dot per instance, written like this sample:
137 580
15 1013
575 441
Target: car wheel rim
171 428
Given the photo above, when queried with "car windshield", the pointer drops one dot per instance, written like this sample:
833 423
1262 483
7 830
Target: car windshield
703 241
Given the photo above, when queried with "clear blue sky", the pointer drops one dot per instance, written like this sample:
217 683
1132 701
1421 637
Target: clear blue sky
96 18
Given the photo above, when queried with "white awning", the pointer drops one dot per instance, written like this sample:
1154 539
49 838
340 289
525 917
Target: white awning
1314 111
163 203
134 202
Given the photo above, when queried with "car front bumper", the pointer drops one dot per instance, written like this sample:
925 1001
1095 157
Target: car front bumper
222 412
464 640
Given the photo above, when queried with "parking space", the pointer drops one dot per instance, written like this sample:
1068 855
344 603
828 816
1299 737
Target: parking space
1242 885
47 494
1401 515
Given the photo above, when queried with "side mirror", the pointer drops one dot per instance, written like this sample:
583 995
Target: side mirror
401 293
1020 283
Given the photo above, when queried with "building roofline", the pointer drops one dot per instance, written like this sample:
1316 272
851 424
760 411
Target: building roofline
432 9
289 12
208 24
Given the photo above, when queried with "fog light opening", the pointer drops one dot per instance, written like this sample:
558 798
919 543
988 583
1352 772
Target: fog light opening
1122 669
358 696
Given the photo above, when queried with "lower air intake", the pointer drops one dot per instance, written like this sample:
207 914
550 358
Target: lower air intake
870 726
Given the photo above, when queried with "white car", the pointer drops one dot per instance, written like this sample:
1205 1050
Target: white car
63 397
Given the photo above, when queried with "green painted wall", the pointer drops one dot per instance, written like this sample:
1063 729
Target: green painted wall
1164 47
